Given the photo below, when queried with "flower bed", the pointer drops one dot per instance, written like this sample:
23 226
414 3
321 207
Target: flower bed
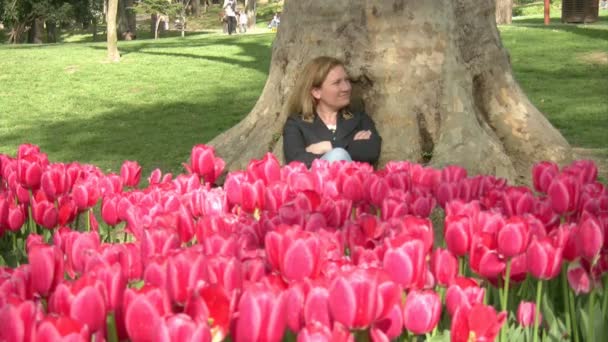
338 252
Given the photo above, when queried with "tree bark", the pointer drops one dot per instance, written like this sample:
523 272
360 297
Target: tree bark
35 34
504 11
113 55
196 7
433 75
51 31
126 20
251 11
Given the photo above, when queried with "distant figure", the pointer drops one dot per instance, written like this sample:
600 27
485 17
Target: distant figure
230 9
274 23
243 21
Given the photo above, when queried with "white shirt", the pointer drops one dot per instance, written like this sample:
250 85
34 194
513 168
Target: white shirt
228 8
243 19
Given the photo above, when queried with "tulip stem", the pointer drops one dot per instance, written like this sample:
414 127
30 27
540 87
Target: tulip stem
505 299
573 316
539 292
461 266
111 325
590 318
566 301
605 303
88 220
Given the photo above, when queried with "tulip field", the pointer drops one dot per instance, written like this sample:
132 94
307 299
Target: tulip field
337 252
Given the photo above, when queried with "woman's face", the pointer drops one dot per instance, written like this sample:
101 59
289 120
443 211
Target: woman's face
334 93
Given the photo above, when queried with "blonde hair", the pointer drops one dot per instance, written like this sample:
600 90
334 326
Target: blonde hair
301 103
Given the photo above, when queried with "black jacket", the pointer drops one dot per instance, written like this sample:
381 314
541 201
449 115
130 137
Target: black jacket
297 134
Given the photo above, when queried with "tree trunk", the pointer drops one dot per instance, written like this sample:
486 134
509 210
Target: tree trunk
51 31
35 34
504 11
113 54
196 7
126 20
251 10
433 75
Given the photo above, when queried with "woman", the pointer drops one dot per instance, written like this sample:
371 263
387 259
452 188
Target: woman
320 124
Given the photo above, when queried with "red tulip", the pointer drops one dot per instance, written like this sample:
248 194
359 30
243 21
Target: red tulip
262 315
463 292
444 266
361 297
421 312
543 174
211 304
67 210
46 265
17 320
205 164
486 262
458 234
513 237
479 323
526 314
130 173
579 278
62 328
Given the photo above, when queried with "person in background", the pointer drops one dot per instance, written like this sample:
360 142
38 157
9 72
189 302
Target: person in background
320 125
230 9
243 21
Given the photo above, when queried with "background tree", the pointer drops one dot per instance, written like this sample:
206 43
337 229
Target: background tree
433 75
504 11
127 24
112 37
251 11
158 9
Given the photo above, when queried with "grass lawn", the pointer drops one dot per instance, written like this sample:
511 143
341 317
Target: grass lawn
167 95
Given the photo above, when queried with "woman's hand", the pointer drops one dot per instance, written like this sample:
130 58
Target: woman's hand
319 148
363 135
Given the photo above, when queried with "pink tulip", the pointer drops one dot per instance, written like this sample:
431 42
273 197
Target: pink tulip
27 149
110 184
513 237
579 278
543 174
544 258
62 328
44 212
54 181
405 263
458 234
144 308
421 312
590 237
18 320
444 266
15 216
447 192
86 193
83 301
584 170
158 241
205 164
564 193
296 254
526 314
463 292
360 297
486 262
29 171
262 314
479 323
130 173
181 327
46 265
267 169
109 209
518 201
316 332
185 270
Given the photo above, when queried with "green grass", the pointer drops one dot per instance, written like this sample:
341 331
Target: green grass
167 95
550 63
153 106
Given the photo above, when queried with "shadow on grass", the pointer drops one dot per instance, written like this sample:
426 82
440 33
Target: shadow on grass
156 135
248 48
597 30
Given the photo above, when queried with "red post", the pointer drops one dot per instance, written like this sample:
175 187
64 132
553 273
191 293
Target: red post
547 12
